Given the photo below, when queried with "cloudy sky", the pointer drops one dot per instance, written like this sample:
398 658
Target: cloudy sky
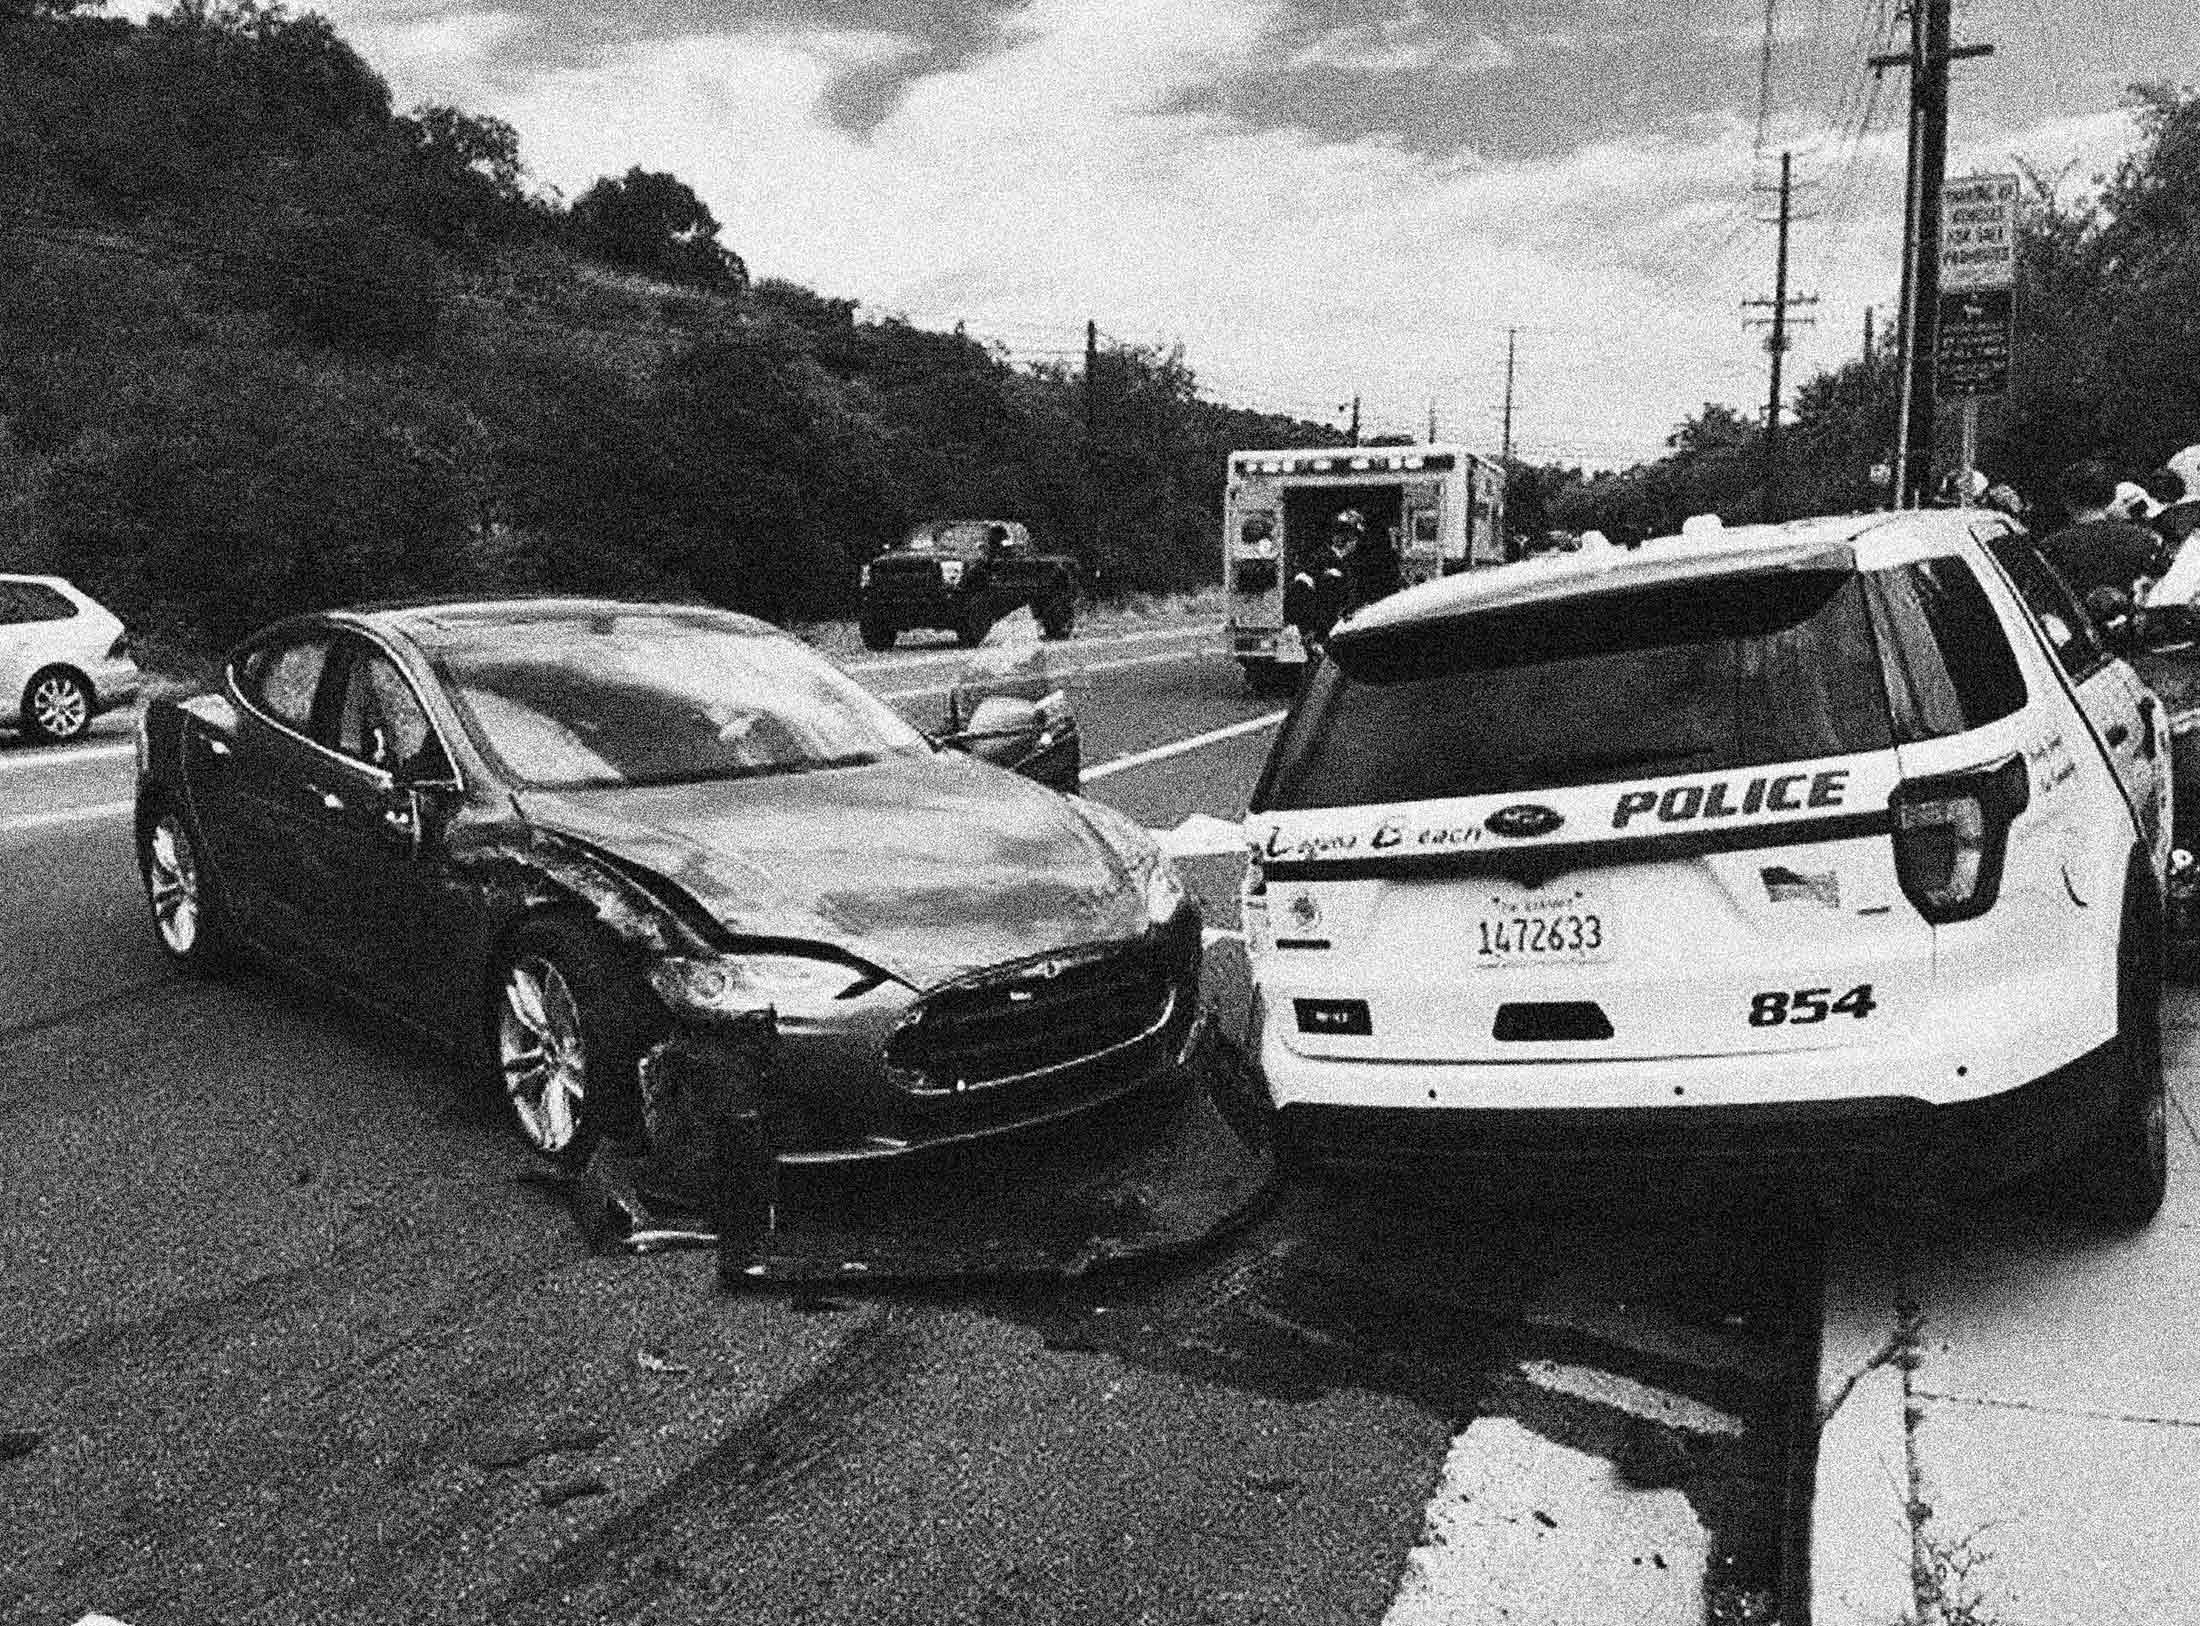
1316 197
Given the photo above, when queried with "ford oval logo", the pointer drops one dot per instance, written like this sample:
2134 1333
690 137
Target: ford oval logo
1523 819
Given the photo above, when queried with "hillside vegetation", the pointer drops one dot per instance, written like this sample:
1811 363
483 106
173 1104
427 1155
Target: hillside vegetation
267 344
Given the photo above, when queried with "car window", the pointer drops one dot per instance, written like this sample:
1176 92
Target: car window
2071 633
24 602
282 678
381 724
1733 672
1949 667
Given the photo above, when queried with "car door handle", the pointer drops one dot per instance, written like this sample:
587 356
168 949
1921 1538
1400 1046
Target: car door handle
2116 734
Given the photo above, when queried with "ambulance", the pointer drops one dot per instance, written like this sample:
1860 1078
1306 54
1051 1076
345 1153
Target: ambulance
1440 507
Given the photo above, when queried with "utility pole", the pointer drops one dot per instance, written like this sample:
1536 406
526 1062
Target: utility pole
1092 446
1432 420
1355 430
1777 344
1927 60
1512 341
1868 312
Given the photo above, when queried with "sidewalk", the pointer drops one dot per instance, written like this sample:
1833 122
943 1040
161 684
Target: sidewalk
2011 1409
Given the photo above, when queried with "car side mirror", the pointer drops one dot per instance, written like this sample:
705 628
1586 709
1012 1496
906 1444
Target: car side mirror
1036 738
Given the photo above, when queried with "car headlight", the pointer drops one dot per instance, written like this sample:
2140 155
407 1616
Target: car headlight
1164 893
741 985
951 571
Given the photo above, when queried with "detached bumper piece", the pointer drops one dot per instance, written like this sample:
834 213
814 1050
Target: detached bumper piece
1166 1168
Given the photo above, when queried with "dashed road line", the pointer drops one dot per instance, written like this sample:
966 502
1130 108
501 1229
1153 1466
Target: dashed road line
1176 748
1172 657
929 657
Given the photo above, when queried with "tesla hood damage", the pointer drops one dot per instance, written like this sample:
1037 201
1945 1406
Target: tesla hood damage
927 870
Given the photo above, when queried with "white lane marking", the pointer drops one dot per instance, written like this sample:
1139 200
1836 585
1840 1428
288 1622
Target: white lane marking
1176 748
65 756
1064 673
93 814
1201 835
1610 1389
1531 1533
930 657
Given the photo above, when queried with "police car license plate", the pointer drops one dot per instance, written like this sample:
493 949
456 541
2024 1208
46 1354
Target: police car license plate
1567 924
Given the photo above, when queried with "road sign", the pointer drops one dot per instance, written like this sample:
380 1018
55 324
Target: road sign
1971 344
1978 233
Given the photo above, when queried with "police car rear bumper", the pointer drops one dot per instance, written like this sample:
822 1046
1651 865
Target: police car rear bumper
1895 1139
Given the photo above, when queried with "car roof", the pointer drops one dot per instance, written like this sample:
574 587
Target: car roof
437 622
61 582
1839 542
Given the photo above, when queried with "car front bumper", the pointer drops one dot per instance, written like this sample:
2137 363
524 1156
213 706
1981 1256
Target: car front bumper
829 1093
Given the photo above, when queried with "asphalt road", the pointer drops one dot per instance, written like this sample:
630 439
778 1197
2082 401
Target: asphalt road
292 1328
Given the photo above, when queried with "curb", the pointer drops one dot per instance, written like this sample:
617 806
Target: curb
1860 1538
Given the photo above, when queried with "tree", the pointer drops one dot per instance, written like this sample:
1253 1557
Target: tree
651 221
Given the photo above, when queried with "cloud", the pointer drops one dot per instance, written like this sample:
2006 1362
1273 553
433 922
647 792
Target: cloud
1531 78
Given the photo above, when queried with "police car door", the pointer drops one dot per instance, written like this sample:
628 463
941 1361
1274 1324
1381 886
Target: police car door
2123 711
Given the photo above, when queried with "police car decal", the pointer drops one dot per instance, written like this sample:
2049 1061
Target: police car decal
1826 799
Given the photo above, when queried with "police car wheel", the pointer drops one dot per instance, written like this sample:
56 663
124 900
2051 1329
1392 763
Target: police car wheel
877 634
2126 1172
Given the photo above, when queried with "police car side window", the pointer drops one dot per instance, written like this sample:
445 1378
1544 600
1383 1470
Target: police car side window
1947 665
2070 631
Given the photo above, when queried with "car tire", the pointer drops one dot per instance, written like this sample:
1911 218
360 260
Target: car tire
1058 619
180 890
566 1033
58 705
2124 1174
971 628
878 635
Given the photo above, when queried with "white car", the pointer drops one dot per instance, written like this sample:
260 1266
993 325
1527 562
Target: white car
64 658
1785 842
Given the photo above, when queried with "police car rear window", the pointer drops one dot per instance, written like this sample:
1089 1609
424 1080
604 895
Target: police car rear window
1732 672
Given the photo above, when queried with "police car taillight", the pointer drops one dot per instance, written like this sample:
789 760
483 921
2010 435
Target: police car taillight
1951 833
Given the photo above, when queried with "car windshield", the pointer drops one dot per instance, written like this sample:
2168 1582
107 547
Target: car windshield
653 699
1729 673
953 536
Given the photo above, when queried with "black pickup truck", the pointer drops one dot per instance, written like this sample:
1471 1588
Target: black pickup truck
963 575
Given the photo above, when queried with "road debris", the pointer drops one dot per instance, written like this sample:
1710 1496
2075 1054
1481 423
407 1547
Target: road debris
516 1450
571 1490
654 1360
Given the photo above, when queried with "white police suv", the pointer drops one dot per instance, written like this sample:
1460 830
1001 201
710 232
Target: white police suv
1844 836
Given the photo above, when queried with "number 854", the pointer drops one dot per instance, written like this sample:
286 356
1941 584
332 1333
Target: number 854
1778 1008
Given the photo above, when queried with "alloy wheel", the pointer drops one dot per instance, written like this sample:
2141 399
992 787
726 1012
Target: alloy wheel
59 708
541 1052
172 885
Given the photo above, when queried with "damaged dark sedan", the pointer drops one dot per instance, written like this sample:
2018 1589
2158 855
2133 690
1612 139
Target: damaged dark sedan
586 839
